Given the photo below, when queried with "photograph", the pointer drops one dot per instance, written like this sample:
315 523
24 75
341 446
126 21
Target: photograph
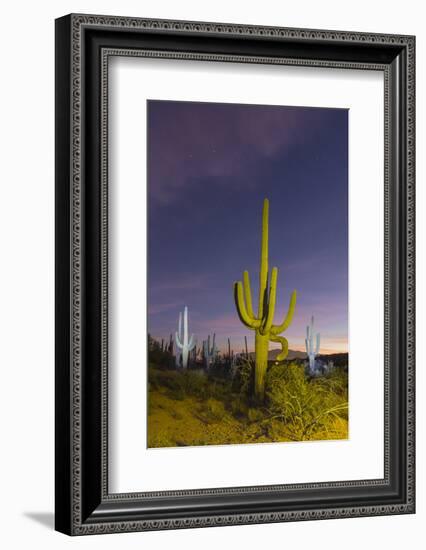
247 261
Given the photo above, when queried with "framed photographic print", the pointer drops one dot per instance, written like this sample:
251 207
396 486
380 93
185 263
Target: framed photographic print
234 274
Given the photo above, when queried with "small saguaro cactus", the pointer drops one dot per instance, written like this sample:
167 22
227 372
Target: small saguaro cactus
312 348
262 323
209 353
181 339
231 358
170 345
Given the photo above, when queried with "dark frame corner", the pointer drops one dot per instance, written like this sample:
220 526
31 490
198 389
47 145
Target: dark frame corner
83 45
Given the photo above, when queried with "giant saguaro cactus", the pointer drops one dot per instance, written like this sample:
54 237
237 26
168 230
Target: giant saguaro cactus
262 323
311 348
181 339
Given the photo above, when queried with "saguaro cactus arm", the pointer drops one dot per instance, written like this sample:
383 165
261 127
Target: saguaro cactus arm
249 320
284 346
178 342
178 333
277 329
247 294
191 343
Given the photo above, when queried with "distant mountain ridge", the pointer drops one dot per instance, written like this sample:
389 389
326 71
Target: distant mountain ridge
293 354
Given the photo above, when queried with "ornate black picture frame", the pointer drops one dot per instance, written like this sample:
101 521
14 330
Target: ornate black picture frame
83 45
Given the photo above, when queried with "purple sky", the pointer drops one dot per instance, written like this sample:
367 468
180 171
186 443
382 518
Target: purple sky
209 168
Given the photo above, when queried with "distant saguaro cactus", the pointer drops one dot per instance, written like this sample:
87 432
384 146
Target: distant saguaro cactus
181 339
209 353
262 322
231 357
311 348
178 353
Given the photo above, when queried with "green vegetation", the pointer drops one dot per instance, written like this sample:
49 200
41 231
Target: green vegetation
262 323
192 407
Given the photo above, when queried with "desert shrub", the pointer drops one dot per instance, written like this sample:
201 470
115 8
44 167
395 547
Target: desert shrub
215 409
220 370
306 407
254 415
337 379
195 383
244 377
238 406
152 378
159 354
219 389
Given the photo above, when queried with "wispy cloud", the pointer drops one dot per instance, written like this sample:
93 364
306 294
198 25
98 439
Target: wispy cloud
221 141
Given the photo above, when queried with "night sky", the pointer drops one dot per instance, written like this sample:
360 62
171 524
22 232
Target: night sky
209 168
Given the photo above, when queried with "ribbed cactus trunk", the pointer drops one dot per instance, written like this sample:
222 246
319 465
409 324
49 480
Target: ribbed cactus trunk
185 347
262 323
261 343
